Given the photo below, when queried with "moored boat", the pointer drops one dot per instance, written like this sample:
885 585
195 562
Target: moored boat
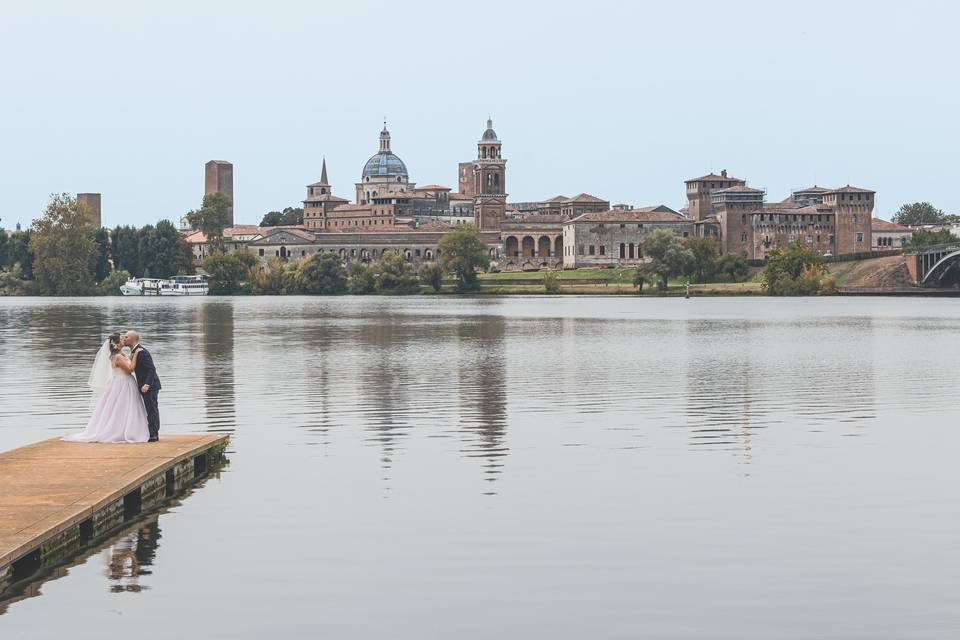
176 286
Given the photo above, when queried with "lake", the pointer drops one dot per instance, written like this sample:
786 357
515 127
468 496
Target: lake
518 467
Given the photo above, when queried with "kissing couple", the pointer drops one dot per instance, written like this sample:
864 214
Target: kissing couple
125 393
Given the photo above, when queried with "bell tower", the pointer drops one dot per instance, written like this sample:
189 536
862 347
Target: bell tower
489 182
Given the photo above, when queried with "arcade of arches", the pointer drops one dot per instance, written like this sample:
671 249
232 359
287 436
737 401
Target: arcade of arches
534 246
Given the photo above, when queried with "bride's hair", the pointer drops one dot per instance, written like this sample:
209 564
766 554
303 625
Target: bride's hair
115 346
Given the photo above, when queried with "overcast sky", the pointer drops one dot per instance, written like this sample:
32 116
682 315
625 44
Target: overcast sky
623 100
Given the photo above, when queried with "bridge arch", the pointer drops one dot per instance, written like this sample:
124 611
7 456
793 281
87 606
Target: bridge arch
949 263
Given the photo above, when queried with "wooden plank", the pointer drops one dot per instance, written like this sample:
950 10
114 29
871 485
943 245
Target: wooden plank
50 486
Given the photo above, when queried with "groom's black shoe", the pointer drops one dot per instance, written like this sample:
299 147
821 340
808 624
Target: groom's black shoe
153 439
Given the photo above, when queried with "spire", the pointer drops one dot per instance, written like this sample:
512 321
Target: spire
384 138
323 173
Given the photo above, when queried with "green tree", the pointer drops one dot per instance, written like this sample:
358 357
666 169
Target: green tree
271 219
5 250
431 274
161 251
793 270
64 248
212 218
110 286
923 239
705 256
101 259
551 282
230 273
733 266
668 256
323 274
462 253
361 280
920 213
21 253
395 275
126 252
643 275
277 278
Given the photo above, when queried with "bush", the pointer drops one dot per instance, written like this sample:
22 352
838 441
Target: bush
796 270
361 281
323 274
551 282
110 286
431 274
277 278
733 266
394 275
230 273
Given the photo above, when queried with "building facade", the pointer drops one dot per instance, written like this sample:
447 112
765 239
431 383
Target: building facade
218 178
533 241
888 236
612 238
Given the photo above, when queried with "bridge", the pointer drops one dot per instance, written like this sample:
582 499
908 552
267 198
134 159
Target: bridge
935 266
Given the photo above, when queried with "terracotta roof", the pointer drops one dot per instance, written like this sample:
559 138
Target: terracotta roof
740 188
435 225
326 197
585 197
882 225
633 215
556 199
658 208
712 177
849 189
432 187
813 189
351 210
541 218
198 237
456 195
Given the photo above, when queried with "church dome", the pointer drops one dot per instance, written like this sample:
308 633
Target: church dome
384 164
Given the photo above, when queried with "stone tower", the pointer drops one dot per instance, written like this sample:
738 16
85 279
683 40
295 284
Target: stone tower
218 178
92 202
489 182
853 218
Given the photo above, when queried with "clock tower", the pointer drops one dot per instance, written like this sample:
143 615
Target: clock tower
489 174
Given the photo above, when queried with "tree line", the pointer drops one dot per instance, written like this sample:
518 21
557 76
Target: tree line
63 254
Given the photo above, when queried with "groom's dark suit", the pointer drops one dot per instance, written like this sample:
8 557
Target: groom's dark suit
146 374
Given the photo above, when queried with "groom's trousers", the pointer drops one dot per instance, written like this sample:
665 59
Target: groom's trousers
151 404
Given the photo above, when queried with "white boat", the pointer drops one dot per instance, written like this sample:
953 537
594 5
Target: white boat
176 286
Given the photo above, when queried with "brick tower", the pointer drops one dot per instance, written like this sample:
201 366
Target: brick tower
489 182
218 178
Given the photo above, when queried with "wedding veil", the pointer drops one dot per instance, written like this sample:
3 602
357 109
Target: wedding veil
99 378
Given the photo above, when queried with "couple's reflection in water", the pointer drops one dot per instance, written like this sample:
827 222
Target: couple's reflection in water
130 557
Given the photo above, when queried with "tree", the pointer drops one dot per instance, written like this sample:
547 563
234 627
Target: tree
161 253
642 276
462 253
5 250
551 282
290 216
920 213
395 275
230 272
793 270
101 259
733 266
323 274
923 239
21 253
361 280
126 253
668 256
64 248
277 278
705 255
212 218
110 286
431 274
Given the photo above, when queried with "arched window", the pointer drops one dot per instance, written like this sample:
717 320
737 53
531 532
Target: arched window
496 180
323 190
483 152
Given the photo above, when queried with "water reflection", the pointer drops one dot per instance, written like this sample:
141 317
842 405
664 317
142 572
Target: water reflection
217 331
131 555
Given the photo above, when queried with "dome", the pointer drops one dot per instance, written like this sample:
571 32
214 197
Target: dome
384 164
489 135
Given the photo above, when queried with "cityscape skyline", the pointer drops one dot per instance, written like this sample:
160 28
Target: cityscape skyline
642 99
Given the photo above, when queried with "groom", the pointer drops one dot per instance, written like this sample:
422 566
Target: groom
149 382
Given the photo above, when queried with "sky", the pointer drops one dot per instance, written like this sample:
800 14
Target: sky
623 100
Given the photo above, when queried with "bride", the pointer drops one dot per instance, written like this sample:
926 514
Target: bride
118 414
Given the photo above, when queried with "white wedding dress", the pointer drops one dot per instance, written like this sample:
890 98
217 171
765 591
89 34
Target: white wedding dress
118 413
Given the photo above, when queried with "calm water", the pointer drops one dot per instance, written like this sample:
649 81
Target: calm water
520 468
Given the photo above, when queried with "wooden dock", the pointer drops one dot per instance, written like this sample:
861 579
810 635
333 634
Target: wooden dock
55 496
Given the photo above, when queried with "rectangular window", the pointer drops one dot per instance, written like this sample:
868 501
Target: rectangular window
859 236
743 236
791 238
261 253
809 238
581 249
591 249
603 250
